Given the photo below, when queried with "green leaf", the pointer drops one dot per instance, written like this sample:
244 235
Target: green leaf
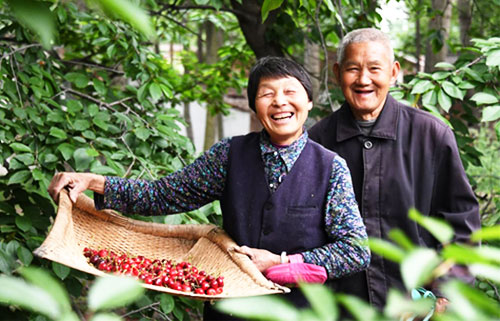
452 90
397 305
20 148
484 98
58 133
417 267
444 100
429 99
329 5
441 230
45 281
24 255
106 317
66 150
129 12
486 234
106 142
80 80
493 58
142 133
23 223
400 237
167 303
321 299
38 17
489 272
82 159
422 86
268 6
74 106
459 303
19 177
155 92
111 292
81 124
491 113
444 66
264 308
62 271
99 86
15 291
360 309
386 249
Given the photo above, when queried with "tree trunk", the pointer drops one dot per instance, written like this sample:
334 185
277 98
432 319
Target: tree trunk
248 13
465 19
441 22
214 40
312 63
418 36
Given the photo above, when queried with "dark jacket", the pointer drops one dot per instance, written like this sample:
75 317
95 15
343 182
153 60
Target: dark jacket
410 159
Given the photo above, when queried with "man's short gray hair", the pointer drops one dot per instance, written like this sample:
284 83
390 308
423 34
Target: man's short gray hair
363 35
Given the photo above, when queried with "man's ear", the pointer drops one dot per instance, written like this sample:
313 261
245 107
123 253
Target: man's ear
336 72
396 67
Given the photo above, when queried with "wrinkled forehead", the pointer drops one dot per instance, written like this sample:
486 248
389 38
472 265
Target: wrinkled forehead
369 52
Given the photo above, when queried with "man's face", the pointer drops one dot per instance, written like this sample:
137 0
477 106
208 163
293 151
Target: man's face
282 106
365 75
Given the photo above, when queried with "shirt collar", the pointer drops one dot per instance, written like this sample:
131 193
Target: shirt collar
289 153
385 126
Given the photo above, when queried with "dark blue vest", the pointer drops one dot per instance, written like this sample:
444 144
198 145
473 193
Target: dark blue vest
290 219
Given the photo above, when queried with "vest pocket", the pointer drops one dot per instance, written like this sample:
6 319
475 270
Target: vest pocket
302 210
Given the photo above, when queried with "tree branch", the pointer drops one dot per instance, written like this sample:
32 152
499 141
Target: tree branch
93 65
152 305
173 7
325 52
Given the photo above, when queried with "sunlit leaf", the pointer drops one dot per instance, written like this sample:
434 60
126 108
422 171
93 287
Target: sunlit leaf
19 177
17 292
321 299
491 113
111 292
268 6
486 234
261 307
42 279
386 249
484 98
398 305
358 308
489 272
439 228
129 12
452 90
444 66
20 148
493 58
417 267
444 100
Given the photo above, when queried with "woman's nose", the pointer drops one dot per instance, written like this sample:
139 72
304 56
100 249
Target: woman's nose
279 99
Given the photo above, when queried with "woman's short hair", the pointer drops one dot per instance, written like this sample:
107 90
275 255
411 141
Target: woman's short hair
276 67
363 35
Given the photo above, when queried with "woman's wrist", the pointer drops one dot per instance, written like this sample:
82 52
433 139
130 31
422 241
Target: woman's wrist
97 183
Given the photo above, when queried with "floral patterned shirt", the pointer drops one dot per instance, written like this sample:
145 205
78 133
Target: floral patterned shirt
203 182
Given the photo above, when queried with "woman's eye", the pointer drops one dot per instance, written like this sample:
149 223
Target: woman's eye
266 94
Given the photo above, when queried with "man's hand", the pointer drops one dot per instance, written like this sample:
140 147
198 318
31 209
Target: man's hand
77 183
263 259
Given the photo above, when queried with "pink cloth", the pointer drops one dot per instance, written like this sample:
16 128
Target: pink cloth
292 273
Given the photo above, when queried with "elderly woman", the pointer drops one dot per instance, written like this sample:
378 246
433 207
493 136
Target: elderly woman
284 198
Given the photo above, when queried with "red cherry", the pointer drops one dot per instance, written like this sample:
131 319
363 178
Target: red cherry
103 253
211 291
219 290
205 285
199 291
186 288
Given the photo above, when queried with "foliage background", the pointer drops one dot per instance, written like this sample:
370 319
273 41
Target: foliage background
84 87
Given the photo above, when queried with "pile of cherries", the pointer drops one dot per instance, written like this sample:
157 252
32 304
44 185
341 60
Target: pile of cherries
182 276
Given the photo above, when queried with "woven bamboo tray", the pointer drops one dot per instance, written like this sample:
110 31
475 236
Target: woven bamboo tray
207 247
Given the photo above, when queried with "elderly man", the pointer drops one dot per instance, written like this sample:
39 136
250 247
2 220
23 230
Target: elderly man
399 157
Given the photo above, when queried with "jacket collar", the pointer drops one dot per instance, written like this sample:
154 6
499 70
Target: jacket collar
385 127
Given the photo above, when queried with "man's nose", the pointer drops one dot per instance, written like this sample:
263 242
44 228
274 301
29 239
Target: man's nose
364 77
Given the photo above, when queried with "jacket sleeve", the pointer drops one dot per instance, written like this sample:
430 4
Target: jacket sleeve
454 201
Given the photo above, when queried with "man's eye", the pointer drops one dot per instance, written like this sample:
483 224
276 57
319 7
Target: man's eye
352 69
290 91
268 94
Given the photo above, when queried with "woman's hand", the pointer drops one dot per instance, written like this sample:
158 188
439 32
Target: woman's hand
76 183
263 259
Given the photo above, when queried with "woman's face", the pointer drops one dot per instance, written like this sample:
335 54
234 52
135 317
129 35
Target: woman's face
282 106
